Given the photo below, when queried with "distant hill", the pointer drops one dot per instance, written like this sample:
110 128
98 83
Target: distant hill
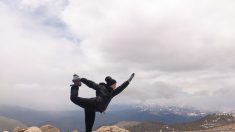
9 124
224 128
209 122
67 120
131 118
144 126
230 127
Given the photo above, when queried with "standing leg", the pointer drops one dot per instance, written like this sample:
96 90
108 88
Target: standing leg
87 104
89 119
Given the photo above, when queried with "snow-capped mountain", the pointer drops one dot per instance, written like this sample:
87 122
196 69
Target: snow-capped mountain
176 110
205 123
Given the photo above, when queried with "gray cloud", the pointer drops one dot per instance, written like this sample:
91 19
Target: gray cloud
165 41
182 51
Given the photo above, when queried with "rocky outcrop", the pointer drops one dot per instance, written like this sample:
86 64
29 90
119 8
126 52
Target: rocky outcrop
111 129
33 129
45 128
19 129
49 128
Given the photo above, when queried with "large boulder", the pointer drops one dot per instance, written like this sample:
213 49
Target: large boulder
111 129
49 128
18 129
45 128
33 129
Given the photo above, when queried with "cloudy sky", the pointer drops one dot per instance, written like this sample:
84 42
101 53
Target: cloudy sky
182 51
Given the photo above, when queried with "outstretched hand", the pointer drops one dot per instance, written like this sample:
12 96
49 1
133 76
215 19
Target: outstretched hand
132 76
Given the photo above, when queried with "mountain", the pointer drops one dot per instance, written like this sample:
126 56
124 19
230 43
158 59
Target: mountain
207 122
165 114
144 126
65 120
9 124
69 120
226 128
176 110
210 122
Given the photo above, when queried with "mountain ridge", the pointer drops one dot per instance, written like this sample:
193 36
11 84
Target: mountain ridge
209 122
75 119
9 123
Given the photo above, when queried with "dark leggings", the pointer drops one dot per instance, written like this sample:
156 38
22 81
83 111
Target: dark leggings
87 104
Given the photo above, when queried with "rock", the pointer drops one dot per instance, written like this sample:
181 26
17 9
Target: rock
49 128
111 129
18 129
33 129
45 128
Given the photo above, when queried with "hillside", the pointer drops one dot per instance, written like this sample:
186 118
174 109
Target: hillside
133 126
65 120
215 121
212 122
225 128
9 124
207 122
230 127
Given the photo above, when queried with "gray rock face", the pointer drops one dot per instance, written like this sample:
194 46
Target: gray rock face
111 129
33 129
44 128
49 128
19 129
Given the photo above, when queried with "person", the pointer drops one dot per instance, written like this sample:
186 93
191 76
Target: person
104 94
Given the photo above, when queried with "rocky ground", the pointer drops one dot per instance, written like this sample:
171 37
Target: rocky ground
114 128
50 128
209 123
111 129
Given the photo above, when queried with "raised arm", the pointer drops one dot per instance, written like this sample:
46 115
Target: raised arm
120 88
90 83
123 86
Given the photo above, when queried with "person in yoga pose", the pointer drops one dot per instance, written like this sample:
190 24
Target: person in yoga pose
104 94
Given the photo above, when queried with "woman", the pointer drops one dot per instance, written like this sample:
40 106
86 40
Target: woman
104 93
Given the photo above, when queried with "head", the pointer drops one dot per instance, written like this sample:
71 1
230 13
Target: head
110 82
114 86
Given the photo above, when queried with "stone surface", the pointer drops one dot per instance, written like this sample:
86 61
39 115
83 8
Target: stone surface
33 129
111 129
18 129
49 128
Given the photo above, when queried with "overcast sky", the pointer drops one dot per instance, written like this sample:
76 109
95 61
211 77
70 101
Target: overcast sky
182 51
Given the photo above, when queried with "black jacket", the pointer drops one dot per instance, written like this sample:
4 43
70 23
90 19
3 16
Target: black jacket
104 93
